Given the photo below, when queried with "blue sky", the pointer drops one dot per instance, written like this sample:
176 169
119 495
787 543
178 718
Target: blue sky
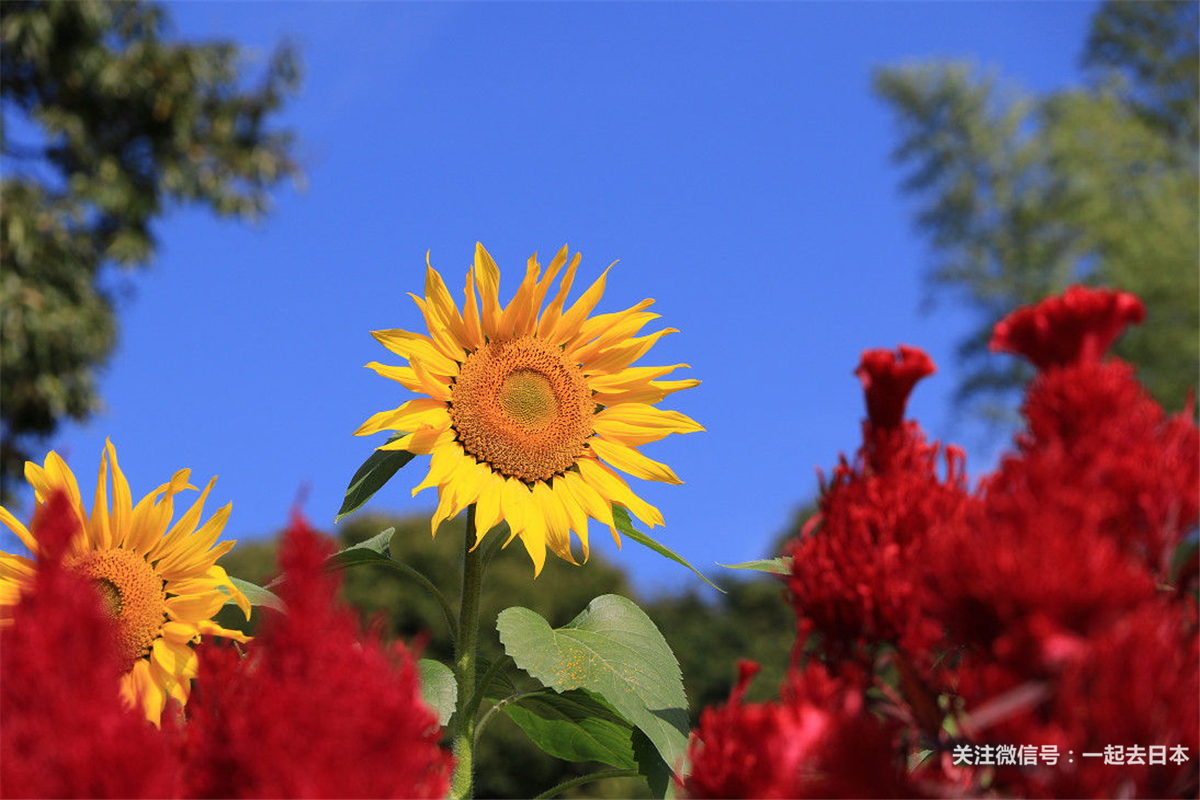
731 156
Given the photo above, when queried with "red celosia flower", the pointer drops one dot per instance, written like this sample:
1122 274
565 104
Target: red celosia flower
1123 449
818 741
1118 446
314 709
65 731
856 571
1135 685
1029 567
1078 325
888 378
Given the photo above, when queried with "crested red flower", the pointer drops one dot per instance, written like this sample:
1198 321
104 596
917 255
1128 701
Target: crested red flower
888 379
856 574
1076 326
1030 565
1140 464
314 709
66 732
1130 687
817 741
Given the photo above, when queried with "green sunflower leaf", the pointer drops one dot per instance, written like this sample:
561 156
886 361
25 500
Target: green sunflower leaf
499 685
776 566
377 470
651 765
377 548
257 595
439 690
575 726
624 524
613 650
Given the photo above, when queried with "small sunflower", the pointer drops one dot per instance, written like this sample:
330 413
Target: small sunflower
523 407
161 586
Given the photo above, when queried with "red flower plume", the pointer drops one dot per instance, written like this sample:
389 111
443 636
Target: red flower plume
1078 325
888 378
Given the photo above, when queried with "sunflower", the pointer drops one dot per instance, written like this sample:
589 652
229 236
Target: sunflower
161 586
527 412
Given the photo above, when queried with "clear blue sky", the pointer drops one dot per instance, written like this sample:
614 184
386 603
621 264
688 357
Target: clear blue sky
731 156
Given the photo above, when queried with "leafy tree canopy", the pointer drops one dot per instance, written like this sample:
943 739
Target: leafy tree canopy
107 123
1023 194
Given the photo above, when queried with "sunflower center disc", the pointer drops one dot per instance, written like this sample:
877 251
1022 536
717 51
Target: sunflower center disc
522 408
132 593
527 398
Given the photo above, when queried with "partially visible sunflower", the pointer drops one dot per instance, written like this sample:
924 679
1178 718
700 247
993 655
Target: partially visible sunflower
161 586
524 406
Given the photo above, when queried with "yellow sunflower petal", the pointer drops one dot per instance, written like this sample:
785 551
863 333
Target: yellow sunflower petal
575 513
442 304
558 525
122 501
184 527
570 323
17 569
553 312
60 475
22 533
446 342
514 505
138 689
180 632
194 553
519 312
414 345
628 460
194 607
209 628
638 423
487 278
539 292
621 356
487 513
612 488
422 442
100 530
472 325
533 534
424 412
649 392
405 376
444 462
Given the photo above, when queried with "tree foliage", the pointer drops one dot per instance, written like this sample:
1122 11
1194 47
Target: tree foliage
107 124
1022 194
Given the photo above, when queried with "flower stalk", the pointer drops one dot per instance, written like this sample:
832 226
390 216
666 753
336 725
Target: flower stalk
465 652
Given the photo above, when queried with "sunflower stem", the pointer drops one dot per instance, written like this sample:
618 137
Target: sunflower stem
465 646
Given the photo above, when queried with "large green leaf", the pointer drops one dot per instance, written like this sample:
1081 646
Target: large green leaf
377 470
625 525
439 690
575 726
499 687
776 566
613 650
650 765
257 595
377 548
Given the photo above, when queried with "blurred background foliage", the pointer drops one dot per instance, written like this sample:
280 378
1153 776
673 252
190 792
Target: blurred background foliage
106 125
708 632
1022 194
